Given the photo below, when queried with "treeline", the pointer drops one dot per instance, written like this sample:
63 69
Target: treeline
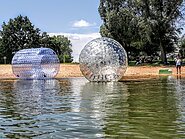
143 26
19 33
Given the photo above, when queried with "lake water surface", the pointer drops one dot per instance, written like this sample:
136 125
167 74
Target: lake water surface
76 108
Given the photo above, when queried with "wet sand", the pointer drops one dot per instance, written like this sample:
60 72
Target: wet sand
73 70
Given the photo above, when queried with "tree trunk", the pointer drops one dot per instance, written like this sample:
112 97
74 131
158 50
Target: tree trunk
163 54
64 58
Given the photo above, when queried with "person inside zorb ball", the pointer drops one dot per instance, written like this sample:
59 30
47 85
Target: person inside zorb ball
103 60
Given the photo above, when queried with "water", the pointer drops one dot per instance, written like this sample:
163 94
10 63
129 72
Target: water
76 108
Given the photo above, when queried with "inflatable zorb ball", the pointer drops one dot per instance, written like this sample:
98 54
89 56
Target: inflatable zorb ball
103 60
35 63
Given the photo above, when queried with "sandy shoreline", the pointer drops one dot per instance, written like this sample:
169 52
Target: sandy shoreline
73 70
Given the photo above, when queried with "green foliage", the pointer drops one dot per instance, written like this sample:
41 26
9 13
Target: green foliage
19 33
142 25
182 43
62 46
120 23
165 14
182 46
1 50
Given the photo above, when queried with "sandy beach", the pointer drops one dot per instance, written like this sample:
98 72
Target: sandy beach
73 70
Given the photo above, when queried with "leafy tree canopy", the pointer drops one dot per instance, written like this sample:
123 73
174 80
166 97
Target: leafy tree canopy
144 25
60 44
19 33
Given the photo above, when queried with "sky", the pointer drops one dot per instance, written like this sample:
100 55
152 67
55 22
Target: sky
78 20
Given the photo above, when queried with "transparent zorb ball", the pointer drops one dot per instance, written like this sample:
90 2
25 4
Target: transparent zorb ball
35 63
102 60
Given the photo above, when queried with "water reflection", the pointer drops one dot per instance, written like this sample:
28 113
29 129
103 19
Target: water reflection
31 96
76 108
104 100
179 89
145 109
152 109
104 96
131 110
27 105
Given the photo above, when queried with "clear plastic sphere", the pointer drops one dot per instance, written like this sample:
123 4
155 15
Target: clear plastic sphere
102 60
35 63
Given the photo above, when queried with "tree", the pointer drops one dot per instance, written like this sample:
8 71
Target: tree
60 44
44 40
120 22
1 50
142 24
18 33
182 46
163 16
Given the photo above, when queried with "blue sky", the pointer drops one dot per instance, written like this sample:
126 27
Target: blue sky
55 15
77 19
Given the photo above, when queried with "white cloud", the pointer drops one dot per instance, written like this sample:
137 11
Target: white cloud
78 42
82 23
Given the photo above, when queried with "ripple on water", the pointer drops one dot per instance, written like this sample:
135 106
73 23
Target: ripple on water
75 108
